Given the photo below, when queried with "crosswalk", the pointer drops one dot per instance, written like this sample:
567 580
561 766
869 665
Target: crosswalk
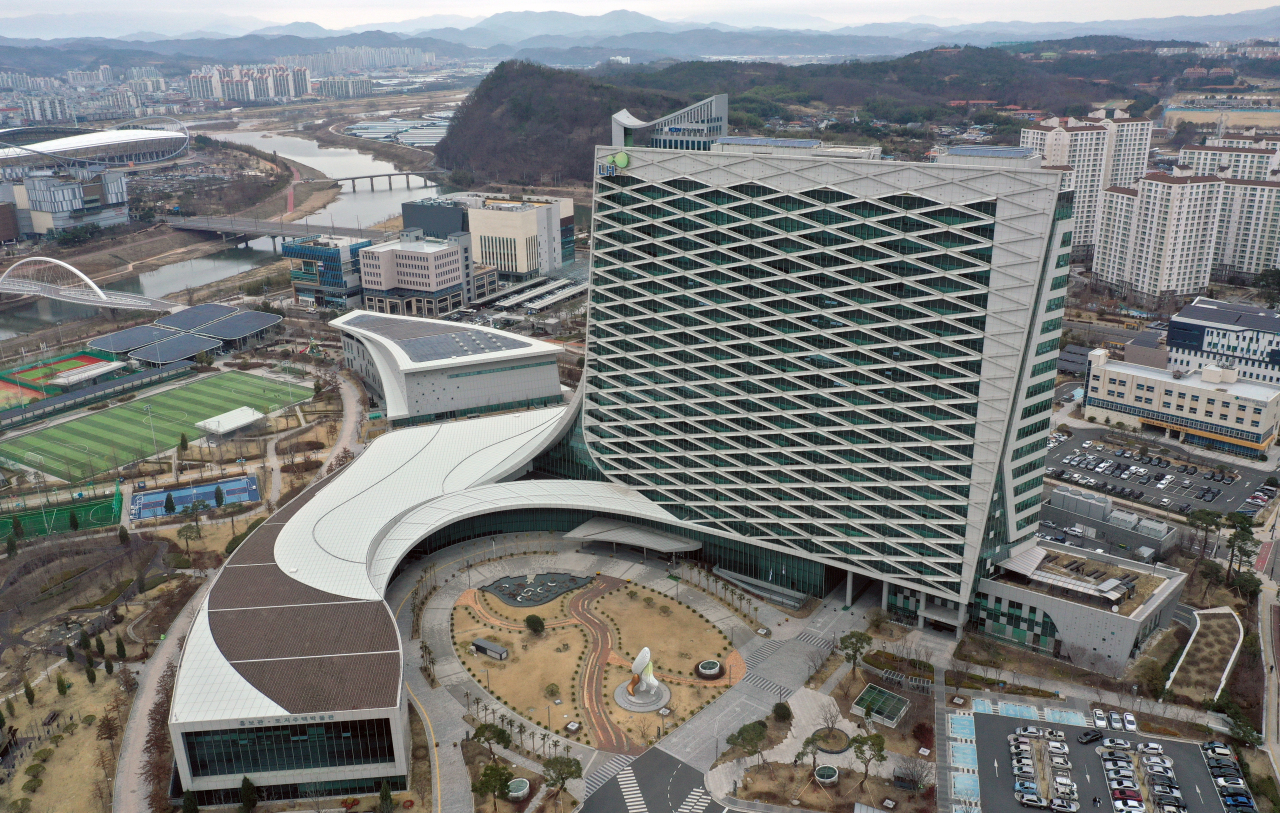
814 640
761 682
696 803
631 792
606 772
763 651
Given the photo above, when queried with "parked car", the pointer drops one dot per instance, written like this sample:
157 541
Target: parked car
1115 754
1150 748
1166 790
1116 722
1130 722
1117 744
1029 731
1121 773
1122 784
1058 748
1065 806
1159 770
1087 737
1023 786
1128 806
1240 801
1055 734
1220 762
1163 762
1117 765
1029 773
1217 772
1031 800
1060 762
1126 794
1234 782
1018 748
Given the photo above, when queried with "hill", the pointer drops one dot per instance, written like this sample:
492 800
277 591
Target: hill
525 121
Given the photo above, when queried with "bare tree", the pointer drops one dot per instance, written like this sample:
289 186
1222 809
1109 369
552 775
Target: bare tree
830 715
815 658
920 772
644 727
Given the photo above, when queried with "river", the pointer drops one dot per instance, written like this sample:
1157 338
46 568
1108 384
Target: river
359 209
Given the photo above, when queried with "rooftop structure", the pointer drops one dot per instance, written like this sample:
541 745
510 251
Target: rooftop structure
131 338
231 421
111 147
239 325
695 127
195 317
1209 331
177 348
86 374
426 370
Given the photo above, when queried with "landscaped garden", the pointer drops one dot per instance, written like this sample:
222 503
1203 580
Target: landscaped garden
1198 677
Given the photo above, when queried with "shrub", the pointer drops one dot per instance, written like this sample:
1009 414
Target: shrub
923 734
43 754
32 785
781 712
35 770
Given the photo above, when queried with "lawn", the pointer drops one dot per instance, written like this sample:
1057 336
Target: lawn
1207 657
105 440
57 519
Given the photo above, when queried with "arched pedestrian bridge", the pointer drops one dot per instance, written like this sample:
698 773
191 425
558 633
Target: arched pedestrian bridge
43 276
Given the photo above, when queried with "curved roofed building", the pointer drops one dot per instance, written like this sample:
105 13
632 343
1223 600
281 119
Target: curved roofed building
95 148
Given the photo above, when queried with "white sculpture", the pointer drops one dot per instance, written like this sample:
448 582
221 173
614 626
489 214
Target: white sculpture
642 674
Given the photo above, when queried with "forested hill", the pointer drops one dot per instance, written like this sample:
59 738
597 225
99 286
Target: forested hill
525 121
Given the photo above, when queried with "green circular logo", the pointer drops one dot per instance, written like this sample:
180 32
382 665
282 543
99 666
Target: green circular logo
622 159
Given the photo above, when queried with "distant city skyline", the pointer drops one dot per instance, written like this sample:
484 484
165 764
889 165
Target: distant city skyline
242 16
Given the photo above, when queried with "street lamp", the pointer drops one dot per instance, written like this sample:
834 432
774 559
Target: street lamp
487 684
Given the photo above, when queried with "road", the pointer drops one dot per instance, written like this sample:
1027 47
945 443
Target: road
130 791
245 225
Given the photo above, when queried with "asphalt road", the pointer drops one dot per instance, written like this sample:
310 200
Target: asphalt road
655 782
996 780
1233 496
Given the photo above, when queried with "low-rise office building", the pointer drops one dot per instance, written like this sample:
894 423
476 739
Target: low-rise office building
425 370
1209 331
327 275
1211 407
50 202
415 275
1090 608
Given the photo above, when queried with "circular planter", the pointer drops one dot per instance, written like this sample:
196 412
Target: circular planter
834 741
710 669
827 775
518 790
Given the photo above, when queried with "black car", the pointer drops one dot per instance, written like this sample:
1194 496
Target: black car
1212 497
1220 762
1144 479
1137 495
1182 469
1208 475
1192 470
1228 480
1219 477
1225 773
1092 735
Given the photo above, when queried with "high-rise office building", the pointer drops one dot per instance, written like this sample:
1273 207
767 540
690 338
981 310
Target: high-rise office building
1156 242
1102 152
849 363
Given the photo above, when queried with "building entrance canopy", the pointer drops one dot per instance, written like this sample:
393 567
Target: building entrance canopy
600 529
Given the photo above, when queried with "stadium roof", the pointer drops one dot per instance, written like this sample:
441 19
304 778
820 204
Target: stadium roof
239 325
196 317
182 346
131 338
431 340
103 138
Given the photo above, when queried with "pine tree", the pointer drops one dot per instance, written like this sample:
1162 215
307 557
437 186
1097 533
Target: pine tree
218 496
11 546
182 443
108 666
120 653
84 640
71 653
17 528
28 693
62 685
73 521
98 645
123 534
248 795
91 674
169 506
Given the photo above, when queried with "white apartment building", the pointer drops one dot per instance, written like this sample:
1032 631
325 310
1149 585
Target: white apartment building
46 108
1244 138
1245 337
1211 407
205 85
1244 163
1158 240
848 362
1248 226
423 276
1102 152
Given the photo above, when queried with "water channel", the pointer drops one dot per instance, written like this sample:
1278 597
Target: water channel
359 209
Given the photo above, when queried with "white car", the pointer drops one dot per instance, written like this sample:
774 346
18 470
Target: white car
1116 765
1163 762
1154 771
1018 748
1063 785
1060 762
1230 782
1130 722
1023 772
1122 784
1120 773
1087 444
1055 734
1128 806
1099 718
1023 762
1030 731
1116 722
1117 744
1058 748
1150 748
1064 806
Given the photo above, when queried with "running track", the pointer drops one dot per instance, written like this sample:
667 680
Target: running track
608 736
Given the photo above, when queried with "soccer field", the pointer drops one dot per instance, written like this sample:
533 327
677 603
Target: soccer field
101 441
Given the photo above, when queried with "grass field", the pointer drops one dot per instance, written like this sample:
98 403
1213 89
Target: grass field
101 441
43 372
90 513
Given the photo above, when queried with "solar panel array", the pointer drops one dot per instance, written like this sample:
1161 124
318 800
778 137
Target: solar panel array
131 338
195 317
435 341
239 325
182 346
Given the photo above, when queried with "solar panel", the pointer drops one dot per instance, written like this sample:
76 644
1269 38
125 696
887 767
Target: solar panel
198 316
180 347
130 338
434 341
239 325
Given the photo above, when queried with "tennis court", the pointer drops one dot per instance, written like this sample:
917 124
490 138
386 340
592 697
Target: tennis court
101 441
43 372
151 503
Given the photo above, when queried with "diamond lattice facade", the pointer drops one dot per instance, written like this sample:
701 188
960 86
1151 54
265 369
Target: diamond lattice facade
850 362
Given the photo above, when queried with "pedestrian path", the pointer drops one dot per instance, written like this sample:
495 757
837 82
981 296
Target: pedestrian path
761 682
814 640
607 771
696 802
762 652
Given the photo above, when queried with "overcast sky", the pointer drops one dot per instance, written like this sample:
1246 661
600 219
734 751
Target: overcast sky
780 13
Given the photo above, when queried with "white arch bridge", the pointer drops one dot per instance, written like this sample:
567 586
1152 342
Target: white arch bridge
54 279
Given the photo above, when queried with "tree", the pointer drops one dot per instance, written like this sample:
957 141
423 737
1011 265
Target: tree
91 674
493 781
99 646
1212 573
248 795
559 770
868 748
187 533
73 521
218 497
108 666
182 443
749 737
169 508
854 645
85 643
535 624
1204 521
189 802
809 748
123 535
781 712
28 693
1249 585
385 803
62 685
120 653
17 528
11 544
920 773
488 733
71 654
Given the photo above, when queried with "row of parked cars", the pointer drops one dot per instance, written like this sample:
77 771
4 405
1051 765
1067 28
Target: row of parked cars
1063 795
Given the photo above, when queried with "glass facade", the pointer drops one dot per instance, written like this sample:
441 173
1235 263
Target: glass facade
258 749
528 403
299 790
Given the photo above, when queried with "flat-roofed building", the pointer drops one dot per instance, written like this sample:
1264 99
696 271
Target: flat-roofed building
415 275
425 370
1242 163
327 274
1211 407
1209 331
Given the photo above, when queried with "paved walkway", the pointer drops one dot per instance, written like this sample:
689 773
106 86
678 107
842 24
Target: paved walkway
607 735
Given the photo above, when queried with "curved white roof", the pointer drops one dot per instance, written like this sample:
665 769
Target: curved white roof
105 138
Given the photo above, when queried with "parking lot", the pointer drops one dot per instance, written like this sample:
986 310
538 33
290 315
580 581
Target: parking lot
1232 498
996 780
